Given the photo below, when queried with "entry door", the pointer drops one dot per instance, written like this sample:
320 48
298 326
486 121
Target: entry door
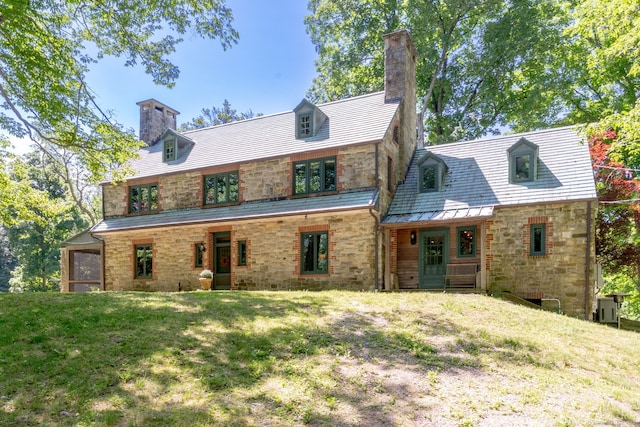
434 256
222 260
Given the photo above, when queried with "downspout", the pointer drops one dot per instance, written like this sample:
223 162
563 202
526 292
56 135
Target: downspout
376 252
587 308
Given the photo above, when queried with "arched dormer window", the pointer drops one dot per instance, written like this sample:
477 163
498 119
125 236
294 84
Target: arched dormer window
523 161
431 171
309 119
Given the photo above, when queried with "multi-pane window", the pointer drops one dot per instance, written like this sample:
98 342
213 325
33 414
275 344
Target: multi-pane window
537 239
221 188
169 152
199 254
242 252
314 176
428 179
304 125
466 241
144 261
143 198
315 253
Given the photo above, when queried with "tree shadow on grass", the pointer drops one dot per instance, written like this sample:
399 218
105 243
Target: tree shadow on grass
230 358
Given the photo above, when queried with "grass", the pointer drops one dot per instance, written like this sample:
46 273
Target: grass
300 358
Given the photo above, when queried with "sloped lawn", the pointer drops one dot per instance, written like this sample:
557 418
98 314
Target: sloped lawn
300 358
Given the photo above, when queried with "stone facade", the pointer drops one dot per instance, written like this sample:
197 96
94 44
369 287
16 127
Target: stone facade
562 272
273 254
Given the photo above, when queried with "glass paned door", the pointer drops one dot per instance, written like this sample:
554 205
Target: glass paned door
434 256
222 260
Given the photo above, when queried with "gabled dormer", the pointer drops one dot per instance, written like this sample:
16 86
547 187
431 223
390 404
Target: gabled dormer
523 161
174 146
431 171
309 119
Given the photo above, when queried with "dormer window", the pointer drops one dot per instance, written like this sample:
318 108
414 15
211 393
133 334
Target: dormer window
431 173
309 120
304 128
523 161
169 150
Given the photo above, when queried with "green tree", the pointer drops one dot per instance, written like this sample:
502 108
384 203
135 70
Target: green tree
217 116
47 47
483 63
40 219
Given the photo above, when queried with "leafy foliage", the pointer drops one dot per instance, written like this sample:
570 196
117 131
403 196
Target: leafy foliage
618 221
217 116
39 219
46 48
483 63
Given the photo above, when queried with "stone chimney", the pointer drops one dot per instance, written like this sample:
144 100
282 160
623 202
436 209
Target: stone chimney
399 66
400 58
155 119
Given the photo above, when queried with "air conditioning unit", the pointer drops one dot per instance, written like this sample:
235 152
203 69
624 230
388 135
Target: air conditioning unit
607 310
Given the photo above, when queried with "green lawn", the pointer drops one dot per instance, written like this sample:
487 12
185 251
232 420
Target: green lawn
302 358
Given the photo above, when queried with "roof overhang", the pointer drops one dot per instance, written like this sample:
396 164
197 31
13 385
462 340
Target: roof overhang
438 216
365 199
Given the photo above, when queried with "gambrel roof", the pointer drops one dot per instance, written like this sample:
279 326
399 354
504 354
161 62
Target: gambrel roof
477 180
351 121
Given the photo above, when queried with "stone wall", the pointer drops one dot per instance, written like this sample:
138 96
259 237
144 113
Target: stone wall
273 254
259 180
561 272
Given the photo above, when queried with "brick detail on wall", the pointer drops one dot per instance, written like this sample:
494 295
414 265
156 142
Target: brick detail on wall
526 234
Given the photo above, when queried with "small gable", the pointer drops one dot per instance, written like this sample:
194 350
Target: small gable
523 161
174 146
431 172
309 119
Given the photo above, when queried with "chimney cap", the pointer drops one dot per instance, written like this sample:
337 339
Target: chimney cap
155 102
407 36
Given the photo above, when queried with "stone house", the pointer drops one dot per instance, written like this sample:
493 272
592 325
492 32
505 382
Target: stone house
337 196
512 213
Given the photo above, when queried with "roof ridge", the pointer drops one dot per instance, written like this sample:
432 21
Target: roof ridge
498 137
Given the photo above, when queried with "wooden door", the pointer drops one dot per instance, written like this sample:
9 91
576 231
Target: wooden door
434 256
222 261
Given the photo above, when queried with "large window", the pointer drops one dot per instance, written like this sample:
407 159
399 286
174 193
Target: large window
315 253
221 188
466 242
537 239
314 176
143 198
144 261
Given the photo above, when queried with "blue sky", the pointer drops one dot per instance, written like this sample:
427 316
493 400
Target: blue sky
268 71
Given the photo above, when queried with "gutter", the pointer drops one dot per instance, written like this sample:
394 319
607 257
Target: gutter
587 280
376 251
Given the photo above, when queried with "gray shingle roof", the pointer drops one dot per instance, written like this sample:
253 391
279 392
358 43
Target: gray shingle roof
338 202
478 177
360 119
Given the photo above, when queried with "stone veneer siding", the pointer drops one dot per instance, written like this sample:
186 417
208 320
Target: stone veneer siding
259 180
273 254
558 274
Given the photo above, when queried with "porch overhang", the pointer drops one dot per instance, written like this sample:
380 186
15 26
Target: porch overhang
393 221
347 201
